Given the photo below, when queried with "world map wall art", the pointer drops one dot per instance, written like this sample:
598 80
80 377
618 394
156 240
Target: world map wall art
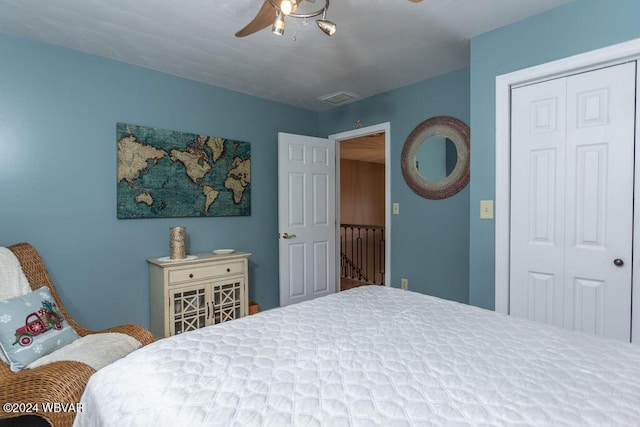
164 173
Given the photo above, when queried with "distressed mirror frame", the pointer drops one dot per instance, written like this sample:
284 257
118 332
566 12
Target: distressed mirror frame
449 127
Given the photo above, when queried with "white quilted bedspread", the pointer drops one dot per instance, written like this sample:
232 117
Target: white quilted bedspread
371 356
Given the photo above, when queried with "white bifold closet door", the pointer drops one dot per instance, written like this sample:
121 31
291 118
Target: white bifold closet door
572 166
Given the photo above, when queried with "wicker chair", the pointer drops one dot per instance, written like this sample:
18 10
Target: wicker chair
60 381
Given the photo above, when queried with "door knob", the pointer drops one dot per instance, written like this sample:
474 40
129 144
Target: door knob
288 236
618 262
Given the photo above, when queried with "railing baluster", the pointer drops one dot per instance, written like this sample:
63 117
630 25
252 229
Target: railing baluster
366 257
354 251
382 254
359 254
373 255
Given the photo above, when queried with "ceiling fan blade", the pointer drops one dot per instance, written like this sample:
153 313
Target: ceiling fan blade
415 1
263 19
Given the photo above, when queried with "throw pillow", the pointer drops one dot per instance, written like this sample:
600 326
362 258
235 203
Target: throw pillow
32 326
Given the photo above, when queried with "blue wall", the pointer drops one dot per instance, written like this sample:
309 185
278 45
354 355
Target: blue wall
575 28
430 238
58 112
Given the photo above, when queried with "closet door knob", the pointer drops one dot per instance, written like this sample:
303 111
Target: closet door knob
618 262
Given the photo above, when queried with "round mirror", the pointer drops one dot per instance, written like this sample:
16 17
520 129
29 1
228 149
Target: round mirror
435 158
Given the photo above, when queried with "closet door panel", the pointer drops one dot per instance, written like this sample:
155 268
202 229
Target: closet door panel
599 201
537 202
635 293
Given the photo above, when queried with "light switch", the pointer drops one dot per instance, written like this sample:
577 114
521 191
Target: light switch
486 209
396 208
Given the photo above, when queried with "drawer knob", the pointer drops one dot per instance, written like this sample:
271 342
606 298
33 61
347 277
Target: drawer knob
191 276
228 270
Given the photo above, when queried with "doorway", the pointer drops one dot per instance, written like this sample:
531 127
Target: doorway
363 206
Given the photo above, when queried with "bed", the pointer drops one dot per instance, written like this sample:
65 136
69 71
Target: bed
370 356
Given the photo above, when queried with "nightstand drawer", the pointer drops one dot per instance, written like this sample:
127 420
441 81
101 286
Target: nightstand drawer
211 271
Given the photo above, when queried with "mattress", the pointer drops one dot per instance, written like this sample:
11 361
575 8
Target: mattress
370 356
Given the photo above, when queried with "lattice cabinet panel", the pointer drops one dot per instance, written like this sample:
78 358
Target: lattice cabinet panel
189 309
191 294
228 300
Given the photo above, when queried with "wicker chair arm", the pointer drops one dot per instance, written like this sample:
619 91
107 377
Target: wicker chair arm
143 336
62 382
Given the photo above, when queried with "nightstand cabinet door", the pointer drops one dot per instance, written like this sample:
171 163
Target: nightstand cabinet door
187 309
229 300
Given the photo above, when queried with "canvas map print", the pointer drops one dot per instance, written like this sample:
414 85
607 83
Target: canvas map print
164 173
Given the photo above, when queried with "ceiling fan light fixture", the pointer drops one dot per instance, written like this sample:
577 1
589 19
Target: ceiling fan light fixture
289 8
327 27
278 25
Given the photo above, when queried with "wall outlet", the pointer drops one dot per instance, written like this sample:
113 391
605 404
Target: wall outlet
404 284
396 208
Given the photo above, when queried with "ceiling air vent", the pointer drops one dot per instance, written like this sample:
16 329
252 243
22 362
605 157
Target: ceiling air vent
338 98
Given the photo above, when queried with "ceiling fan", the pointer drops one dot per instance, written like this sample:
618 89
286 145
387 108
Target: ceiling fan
273 12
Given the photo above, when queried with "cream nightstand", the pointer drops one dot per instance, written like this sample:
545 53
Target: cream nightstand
191 294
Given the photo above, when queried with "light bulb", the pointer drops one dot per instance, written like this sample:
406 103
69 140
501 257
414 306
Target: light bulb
286 7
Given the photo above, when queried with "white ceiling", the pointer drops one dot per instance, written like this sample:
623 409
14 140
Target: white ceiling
380 44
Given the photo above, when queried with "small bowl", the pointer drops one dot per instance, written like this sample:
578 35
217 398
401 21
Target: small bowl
223 251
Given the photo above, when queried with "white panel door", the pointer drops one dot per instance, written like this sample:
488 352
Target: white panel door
599 200
537 202
572 200
306 217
